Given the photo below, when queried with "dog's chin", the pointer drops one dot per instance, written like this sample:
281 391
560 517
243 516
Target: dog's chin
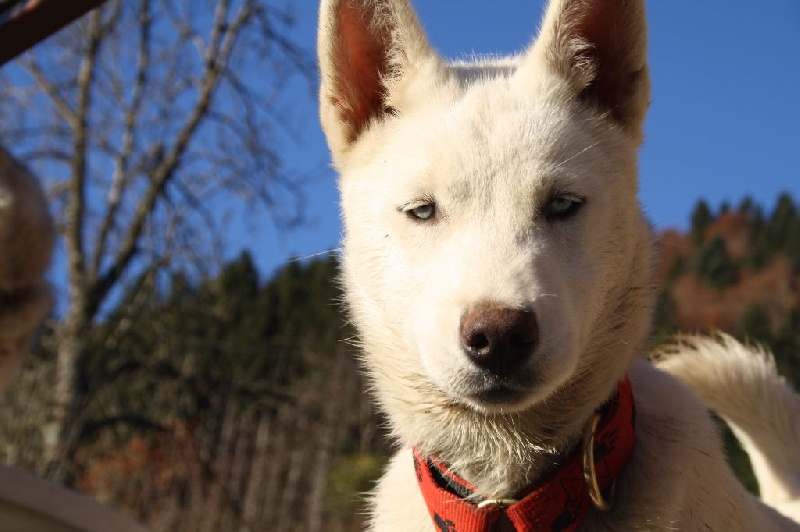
499 400
487 392
492 394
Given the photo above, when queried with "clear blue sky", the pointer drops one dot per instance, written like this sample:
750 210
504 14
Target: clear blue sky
724 120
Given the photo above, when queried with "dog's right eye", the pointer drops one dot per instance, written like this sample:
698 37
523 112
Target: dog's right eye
563 206
421 211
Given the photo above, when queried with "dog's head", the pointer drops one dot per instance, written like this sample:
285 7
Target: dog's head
494 250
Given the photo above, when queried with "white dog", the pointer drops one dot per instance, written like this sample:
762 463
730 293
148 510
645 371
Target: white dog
498 269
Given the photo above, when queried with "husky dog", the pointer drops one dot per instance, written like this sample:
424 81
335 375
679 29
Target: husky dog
498 268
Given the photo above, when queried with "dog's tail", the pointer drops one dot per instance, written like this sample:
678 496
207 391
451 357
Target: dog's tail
743 386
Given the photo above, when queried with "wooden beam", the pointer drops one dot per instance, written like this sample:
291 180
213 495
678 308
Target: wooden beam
30 503
28 22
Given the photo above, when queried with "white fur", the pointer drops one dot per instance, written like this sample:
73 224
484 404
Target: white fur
492 143
742 385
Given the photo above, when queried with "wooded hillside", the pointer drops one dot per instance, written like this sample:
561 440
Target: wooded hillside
737 270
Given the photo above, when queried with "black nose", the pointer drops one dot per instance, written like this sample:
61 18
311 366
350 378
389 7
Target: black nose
499 338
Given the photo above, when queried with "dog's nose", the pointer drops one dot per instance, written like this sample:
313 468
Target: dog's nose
499 338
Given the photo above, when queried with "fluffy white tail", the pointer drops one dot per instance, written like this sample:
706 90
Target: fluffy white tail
742 385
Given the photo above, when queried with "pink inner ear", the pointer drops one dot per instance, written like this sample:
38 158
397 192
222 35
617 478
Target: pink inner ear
604 28
612 38
361 59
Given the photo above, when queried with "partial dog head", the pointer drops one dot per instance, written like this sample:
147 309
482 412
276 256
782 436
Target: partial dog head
494 250
26 244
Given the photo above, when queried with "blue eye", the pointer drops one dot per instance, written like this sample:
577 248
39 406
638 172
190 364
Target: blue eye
422 211
563 206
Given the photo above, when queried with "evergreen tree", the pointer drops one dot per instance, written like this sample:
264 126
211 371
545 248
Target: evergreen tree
665 314
781 223
746 206
701 219
665 322
756 326
786 347
793 245
758 249
300 302
714 265
677 268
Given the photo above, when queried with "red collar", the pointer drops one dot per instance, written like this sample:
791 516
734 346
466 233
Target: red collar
562 499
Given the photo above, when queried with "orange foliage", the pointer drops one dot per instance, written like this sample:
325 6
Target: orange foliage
775 287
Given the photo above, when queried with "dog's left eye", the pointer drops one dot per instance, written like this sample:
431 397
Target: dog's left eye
421 211
563 206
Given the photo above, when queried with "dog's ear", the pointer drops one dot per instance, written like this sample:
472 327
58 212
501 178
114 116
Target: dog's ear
599 46
366 48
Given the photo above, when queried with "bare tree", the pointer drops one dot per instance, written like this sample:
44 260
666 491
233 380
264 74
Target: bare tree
141 119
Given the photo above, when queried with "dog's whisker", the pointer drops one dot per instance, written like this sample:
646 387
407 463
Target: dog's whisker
314 255
576 155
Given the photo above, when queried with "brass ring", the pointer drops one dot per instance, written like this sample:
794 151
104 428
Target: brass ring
589 473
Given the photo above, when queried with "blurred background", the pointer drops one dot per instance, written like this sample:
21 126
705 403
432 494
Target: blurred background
197 371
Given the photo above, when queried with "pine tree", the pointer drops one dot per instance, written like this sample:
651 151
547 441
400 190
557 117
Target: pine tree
677 268
793 245
756 326
786 347
714 265
702 217
758 249
665 314
746 206
781 223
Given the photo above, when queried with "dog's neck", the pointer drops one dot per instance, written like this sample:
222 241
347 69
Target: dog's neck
504 472
561 500
501 454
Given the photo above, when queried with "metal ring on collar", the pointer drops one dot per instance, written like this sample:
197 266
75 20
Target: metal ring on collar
589 472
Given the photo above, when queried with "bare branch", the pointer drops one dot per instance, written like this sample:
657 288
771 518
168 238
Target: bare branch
61 105
136 142
223 37
77 194
122 162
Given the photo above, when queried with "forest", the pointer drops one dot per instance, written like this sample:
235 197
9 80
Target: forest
237 402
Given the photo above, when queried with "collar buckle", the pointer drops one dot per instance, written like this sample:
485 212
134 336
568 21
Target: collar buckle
497 503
